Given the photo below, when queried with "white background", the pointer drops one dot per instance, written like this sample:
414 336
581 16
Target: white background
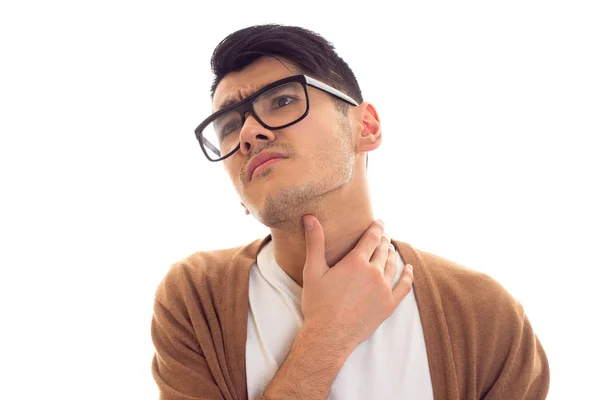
490 115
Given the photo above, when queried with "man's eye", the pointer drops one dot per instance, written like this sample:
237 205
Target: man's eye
227 129
282 101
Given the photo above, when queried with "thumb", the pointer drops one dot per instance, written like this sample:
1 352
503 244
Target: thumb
315 246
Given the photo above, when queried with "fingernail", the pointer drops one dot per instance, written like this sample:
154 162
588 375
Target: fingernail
409 267
308 223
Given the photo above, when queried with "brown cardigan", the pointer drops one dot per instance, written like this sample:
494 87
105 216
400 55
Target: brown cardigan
480 344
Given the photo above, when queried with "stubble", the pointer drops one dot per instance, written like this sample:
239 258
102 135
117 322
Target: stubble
285 206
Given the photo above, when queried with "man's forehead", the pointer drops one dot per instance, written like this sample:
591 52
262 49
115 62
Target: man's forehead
240 84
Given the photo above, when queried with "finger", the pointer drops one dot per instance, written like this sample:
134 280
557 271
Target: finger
370 240
380 254
404 285
314 238
391 265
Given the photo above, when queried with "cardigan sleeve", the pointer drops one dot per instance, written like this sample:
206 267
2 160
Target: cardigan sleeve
179 366
525 374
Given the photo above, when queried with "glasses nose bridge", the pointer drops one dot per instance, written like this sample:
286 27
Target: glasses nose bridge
246 109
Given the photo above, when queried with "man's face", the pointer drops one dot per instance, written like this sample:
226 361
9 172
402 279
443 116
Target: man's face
319 150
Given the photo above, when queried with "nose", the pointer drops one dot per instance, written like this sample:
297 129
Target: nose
253 134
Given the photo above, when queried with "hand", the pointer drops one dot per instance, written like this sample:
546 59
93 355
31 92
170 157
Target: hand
349 301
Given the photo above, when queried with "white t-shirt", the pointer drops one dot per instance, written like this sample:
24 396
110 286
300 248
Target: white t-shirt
391 364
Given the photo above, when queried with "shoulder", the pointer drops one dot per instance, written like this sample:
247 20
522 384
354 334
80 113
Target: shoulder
473 290
476 308
488 331
481 327
205 272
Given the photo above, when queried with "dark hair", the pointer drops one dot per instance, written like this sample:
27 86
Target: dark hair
314 55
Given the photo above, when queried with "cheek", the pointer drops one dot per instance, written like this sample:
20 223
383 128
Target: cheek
316 132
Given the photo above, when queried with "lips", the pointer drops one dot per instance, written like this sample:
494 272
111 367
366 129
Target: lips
260 159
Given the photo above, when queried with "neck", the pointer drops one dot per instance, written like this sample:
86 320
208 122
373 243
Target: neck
342 226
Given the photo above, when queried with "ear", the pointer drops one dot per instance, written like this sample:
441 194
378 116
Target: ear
370 134
243 205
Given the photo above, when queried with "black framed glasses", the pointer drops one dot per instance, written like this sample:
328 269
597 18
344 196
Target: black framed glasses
278 105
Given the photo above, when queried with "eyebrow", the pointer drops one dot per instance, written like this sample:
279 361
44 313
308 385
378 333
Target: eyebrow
234 99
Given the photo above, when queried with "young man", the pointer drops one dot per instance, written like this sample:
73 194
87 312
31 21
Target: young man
326 306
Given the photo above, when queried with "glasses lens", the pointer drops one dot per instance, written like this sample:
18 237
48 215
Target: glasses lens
222 135
281 105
